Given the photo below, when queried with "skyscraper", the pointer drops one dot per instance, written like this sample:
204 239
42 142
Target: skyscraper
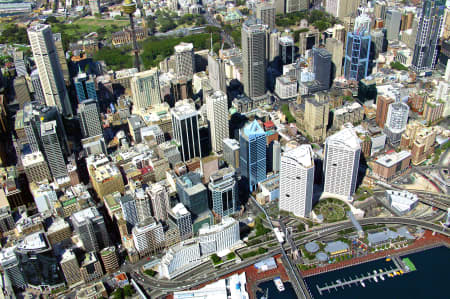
192 193
159 197
224 192
393 20
186 130
297 180
91 228
322 67
184 60
357 51
38 93
341 163
341 8
231 152
397 118
383 103
128 205
265 11
254 42
148 237
145 89
217 112
216 72
252 139
52 150
143 208
286 49
70 267
84 87
316 115
296 5
49 68
19 64
336 48
61 57
89 119
182 218
427 42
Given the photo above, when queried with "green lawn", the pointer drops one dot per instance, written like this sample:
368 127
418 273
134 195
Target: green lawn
92 23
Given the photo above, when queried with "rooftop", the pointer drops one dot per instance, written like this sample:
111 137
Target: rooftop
182 47
390 160
88 213
105 172
179 210
253 128
302 155
33 158
33 242
345 137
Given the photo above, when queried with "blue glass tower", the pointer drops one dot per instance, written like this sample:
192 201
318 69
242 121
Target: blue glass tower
85 87
357 50
252 156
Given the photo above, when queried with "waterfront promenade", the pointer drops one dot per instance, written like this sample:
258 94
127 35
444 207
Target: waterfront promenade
427 241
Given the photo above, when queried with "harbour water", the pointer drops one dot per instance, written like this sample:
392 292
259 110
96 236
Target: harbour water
430 280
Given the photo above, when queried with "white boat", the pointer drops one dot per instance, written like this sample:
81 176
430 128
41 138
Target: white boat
279 284
363 284
375 278
382 277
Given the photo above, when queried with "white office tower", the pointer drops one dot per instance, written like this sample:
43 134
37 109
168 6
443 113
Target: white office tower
89 119
231 152
186 131
44 196
219 237
148 237
341 163
184 60
297 180
143 208
49 68
216 72
276 157
52 150
182 218
180 258
396 121
217 112
145 89
91 228
159 197
11 267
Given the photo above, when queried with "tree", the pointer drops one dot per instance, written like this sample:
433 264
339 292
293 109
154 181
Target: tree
231 256
52 20
128 291
215 258
118 294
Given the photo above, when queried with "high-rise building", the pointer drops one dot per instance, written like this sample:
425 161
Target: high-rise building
217 112
84 87
379 42
393 20
192 193
91 228
316 115
383 103
397 118
57 39
11 267
182 219
44 196
308 39
336 48
38 93
95 6
426 48
297 180
145 89
296 5
357 51
274 45
35 167
216 72
341 8
70 267
231 152
254 43
148 237
52 150
224 192
341 163
219 237
129 211
252 159
322 67
159 197
276 156
106 179
91 268
19 64
21 91
286 49
49 68
380 9
143 207
89 119
186 130
110 259
265 11
184 60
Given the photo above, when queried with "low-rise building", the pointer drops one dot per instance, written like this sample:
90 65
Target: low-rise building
94 291
391 165
336 248
402 201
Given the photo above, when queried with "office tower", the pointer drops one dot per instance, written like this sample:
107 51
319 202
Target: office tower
219 237
70 267
19 64
317 110
286 49
252 159
357 50
336 48
341 8
224 193
382 110
296 5
379 42
85 87
341 163
380 9
44 196
145 89
254 42
143 207
426 48
38 93
231 152
57 39
148 237
129 211
184 60
95 6
49 68
91 228
52 150
266 13
192 193
159 197
322 67
91 268
217 112
216 72
308 40
397 118
11 267
276 156
393 19
106 179
21 92
89 119
297 180
186 130
110 259
182 218
274 45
